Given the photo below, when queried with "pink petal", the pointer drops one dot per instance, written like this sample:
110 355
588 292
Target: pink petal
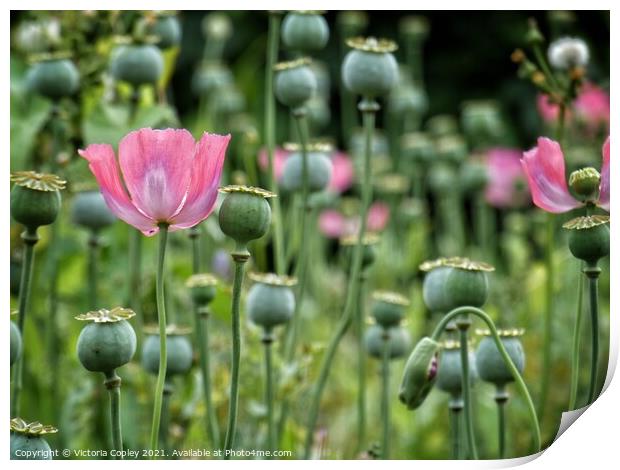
205 179
279 159
505 173
332 224
102 163
342 173
378 216
603 199
548 111
544 168
592 105
157 166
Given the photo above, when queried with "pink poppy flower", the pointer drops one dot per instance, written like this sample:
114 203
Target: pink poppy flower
342 173
279 159
544 168
333 224
169 177
592 106
506 186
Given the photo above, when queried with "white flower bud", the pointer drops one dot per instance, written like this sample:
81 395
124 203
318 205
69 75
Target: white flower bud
566 53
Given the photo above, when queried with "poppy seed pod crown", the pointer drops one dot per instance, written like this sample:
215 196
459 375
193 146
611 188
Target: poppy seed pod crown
466 283
137 64
388 308
489 361
398 341
203 288
370 69
27 442
179 348
295 82
589 237
54 77
270 301
35 198
319 169
305 31
420 373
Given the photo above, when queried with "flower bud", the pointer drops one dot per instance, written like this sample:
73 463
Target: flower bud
588 237
489 361
270 301
35 198
420 373
202 287
178 346
466 283
91 211
27 441
245 214
295 83
399 341
585 183
108 342
137 64
319 169
388 308
450 371
568 53
305 31
16 343
54 78
370 69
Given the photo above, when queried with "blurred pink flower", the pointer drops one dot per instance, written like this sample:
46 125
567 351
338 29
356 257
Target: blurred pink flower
544 168
591 106
506 186
279 158
547 110
333 224
342 172
170 178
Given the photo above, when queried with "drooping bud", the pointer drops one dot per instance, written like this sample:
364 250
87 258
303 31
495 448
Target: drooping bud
420 373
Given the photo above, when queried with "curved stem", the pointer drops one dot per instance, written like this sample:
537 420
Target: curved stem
574 379
236 354
361 367
271 430
369 108
463 325
593 272
30 238
270 139
385 397
520 384
113 384
161 319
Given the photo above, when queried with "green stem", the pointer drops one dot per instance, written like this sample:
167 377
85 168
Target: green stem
385 397
113 384
574 380
164 430
134 295
361 367
163 353
93 245
455 421
270 139
593 272
30 238
269 395
240 260
501 429
484 234
369 108
463 324
520 384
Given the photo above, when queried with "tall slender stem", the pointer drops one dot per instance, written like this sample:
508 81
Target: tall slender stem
455 408
164 430
574 376
240 260
520 384
271 428
161 319
463 324
593 272
368 108
93 245
270 138
361 366
501 397
113 384
135 272
30 238
385 396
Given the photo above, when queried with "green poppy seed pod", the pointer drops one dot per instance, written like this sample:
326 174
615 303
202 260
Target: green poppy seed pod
90 210
35 198
270 301
16 343
442 178
245 214
210 77
137 64
319 113
368 248
450 371
585 183
451 149
399 341
407 99
179 349
489 362
27 441
109 342
54 78
305 31
481 121
415 28
295 83
420 373
319 171
442 125
467 283
588 238
417 149
168 31
370 69
474 176
388 308
434 287
203 288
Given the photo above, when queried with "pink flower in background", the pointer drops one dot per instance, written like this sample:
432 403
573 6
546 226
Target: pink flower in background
591 106
506 186
342 172
547 110
544 168
279 158
333 224
170 177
